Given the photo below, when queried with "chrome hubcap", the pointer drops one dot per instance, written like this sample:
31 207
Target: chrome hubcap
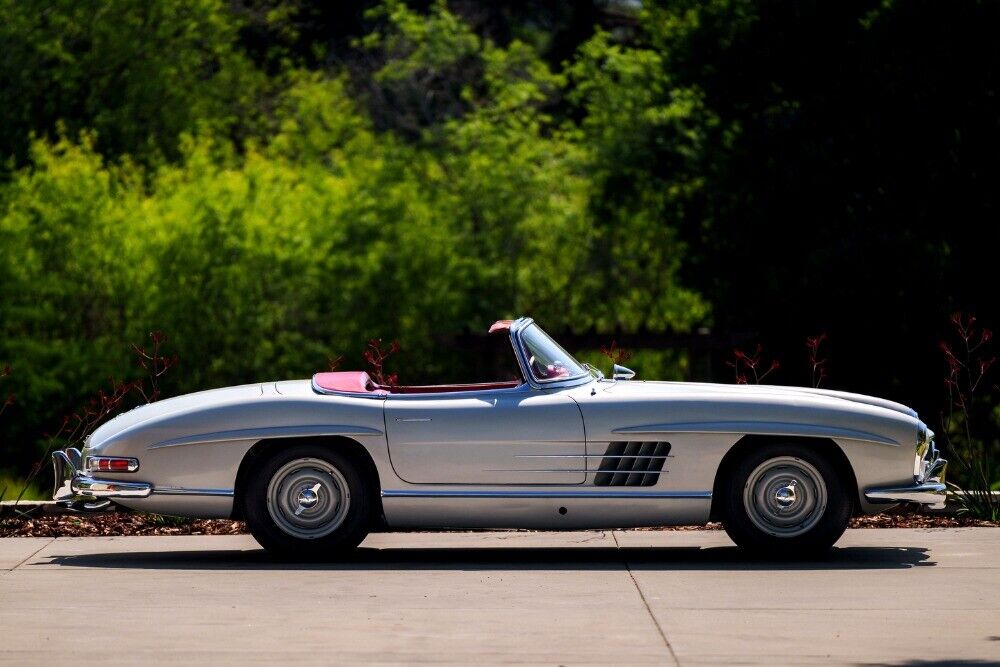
308 498
785 496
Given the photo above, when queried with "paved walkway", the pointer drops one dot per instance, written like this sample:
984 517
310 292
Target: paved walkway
895 597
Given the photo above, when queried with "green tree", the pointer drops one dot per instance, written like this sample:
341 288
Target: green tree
138 73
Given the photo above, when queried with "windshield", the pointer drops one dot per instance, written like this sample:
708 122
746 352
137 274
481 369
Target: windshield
546 359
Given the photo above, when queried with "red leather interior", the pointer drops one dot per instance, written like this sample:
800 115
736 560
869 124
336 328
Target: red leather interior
359 382
355 382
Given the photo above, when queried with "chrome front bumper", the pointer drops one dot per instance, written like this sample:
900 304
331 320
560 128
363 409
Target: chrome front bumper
928 486
78 491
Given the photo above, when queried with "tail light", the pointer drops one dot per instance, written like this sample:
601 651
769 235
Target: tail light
112 464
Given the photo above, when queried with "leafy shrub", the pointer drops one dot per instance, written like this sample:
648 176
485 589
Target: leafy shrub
262 260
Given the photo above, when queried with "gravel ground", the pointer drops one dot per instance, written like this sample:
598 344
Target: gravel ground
128 523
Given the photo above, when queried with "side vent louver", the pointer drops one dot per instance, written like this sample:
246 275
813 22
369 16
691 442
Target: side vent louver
633 463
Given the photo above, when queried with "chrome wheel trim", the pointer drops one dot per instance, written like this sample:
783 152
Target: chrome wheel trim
785 496
308 498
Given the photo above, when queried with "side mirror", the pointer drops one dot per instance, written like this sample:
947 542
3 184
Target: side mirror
622 373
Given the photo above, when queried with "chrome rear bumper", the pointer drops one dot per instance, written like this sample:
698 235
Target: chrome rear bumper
928 486
78 491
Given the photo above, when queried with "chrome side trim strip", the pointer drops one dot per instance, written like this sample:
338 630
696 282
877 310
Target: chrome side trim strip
583 495
176 491
589 456
762 428
268 432
611 470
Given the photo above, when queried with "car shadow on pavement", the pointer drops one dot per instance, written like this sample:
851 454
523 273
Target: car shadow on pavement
514 558
937 663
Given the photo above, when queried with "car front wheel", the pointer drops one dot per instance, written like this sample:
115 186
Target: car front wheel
786 500
307 501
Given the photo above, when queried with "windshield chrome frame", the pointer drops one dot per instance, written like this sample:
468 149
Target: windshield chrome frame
516 330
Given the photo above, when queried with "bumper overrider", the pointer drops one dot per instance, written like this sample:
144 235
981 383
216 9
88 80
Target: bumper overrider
928 486
78 491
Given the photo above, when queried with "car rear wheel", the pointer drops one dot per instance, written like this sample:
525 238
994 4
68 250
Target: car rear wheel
785 500
307 501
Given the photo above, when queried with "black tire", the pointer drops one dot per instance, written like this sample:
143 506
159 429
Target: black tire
325 528
757 524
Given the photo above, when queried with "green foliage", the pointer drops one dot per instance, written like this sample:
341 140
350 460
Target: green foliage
428 66
263 262
660 365
645 137
137 72
417 44
11 486
271 183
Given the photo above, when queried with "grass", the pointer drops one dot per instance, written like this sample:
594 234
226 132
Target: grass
11 485
979 503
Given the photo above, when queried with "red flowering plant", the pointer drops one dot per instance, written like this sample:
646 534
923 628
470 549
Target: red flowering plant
615 354
154 363
78 425
817 362
752 367
968 362
334 363
376 354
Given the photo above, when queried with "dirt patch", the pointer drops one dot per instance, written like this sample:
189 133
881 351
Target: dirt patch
127 523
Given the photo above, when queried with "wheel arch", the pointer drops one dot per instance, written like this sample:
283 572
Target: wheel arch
352 448
826 446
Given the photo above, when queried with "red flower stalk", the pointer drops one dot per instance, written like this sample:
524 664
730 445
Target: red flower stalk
617 355
155 365
819 373
749 367
77 426
967 366
334 363
376 355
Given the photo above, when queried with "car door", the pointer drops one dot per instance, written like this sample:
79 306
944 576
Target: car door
498 436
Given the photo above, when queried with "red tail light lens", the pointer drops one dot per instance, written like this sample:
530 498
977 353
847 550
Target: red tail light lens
112 464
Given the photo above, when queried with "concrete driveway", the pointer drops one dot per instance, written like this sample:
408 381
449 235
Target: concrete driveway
896 597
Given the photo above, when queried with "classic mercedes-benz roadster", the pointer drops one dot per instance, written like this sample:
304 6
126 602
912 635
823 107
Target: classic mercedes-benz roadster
314 466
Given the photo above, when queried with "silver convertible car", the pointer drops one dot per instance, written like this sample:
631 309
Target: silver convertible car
314 466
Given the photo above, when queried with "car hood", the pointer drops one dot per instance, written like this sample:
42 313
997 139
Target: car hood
631 406
765 392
